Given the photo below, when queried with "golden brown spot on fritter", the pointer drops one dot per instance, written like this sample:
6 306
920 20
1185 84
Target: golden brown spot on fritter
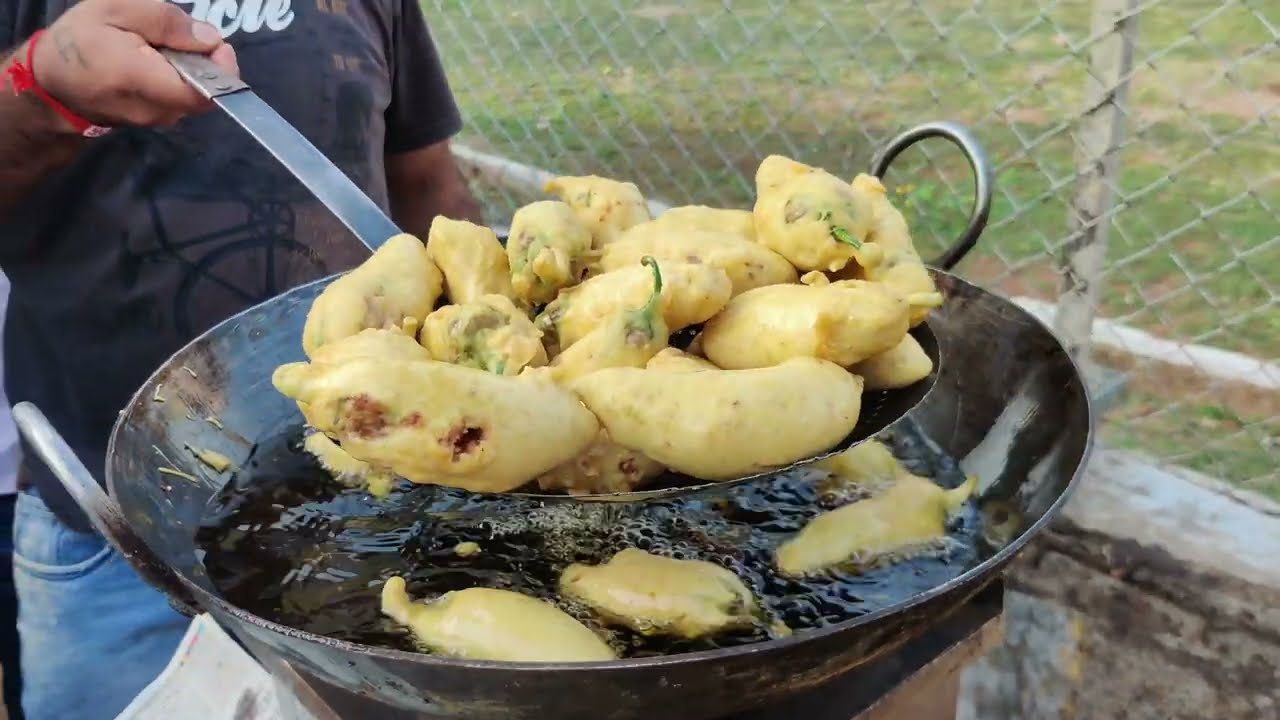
463 439
365 417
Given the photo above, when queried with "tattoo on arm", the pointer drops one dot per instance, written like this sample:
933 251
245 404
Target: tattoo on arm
67 48
30 147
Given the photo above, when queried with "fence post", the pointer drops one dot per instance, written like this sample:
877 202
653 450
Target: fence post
1101 132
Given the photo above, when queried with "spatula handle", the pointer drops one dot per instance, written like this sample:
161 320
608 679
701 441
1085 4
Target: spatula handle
203 74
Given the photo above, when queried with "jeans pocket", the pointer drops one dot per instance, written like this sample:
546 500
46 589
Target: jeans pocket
44 547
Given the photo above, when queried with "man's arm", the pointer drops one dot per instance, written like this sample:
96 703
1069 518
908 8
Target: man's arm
425 183
423 179
99 59
32 143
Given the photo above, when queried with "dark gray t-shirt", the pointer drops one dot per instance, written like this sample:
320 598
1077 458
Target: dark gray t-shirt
153 236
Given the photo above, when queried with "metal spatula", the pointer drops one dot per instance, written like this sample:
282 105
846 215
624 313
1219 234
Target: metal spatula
328 183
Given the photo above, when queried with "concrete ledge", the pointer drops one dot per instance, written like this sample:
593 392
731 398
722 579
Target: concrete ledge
1153 596
1214 362
518 176
1190 517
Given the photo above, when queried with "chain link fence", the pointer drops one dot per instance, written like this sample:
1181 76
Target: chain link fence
1135 143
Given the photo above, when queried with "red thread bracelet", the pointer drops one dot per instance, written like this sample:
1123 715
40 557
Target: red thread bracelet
22 78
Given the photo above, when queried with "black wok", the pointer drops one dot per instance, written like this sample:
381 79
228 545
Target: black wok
1008 402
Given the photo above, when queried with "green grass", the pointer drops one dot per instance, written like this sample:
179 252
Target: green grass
1203 436
685 99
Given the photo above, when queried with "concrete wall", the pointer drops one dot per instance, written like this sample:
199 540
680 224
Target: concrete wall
1154 596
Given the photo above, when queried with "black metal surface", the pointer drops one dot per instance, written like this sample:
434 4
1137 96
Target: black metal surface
1009 403
840 698
857 691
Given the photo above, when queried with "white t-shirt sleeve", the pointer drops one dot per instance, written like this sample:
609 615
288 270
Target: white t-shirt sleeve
9 448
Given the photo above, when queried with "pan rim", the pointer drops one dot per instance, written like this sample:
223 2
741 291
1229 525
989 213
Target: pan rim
987 567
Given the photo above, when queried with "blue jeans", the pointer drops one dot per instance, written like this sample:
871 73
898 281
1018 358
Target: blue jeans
93 633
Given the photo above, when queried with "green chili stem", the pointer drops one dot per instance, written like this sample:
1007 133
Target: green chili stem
841 235
652 304
647 318
838 233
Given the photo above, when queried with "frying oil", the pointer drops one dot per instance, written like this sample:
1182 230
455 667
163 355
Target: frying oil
288 543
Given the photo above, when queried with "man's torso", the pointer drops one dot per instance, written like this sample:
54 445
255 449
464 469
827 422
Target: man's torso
153 236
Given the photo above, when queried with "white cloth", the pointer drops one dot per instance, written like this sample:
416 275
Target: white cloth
9 448
212 678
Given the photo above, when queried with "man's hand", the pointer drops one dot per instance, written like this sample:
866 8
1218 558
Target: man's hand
100 60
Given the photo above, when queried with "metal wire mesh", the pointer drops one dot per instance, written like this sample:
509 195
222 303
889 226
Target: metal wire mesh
685 98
